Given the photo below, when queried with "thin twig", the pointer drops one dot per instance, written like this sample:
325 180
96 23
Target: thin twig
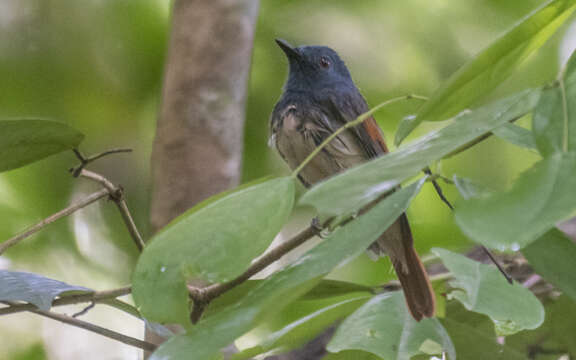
498 265
97 297
112 189
117 195
128 340
62 213
87 160
438 189
85 310
485 249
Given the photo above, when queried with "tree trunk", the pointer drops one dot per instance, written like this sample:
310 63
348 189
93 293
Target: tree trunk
198 146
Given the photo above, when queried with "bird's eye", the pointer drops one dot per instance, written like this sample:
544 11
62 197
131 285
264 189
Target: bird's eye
324 62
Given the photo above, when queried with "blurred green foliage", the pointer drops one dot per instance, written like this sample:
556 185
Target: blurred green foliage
97 66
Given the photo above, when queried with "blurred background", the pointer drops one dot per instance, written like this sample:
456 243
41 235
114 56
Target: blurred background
97 65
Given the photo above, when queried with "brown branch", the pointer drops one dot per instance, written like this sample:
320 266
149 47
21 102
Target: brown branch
97 297
203 296
117 195
64 212
128 340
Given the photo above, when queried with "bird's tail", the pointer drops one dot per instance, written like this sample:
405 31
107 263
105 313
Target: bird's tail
397 243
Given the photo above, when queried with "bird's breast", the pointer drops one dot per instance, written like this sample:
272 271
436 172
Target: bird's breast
298 131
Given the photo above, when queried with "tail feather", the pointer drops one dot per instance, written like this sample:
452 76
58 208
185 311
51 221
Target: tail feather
397 243
417 289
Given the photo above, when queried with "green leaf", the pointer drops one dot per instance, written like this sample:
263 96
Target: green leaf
214 242
28 140
212 333
481 288
33 288
384 327
554 120
482 74
297 333
358 186
555 336
473 335
542 196
552 256
516 135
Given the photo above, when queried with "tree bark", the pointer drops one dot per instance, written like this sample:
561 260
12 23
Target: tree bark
198 146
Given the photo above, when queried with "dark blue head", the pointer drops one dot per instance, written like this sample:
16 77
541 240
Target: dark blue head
314 67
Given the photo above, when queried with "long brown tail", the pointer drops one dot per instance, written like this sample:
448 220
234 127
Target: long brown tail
397 243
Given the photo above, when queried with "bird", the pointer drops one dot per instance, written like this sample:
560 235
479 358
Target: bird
319 96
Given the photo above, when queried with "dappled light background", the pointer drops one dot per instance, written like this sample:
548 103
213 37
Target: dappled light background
97 65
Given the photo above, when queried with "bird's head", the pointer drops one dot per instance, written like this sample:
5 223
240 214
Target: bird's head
314 67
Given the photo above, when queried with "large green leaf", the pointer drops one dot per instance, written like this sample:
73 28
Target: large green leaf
555 337
542 196
482 74
349 191
553 256
474 337
214 242
383 326
25 141
212 333
554 120
303 329
481 288
33 288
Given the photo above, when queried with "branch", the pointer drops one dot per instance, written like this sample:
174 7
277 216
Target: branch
117 195
97 297
203 296
65 212
128 340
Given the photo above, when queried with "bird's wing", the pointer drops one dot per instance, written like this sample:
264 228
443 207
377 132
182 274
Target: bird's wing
348 106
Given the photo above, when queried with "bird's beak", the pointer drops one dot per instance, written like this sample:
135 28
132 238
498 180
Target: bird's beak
291 53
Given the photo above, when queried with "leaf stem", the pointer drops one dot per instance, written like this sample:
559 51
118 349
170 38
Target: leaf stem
353 123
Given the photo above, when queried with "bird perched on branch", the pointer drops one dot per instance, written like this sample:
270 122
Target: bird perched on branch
319 97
